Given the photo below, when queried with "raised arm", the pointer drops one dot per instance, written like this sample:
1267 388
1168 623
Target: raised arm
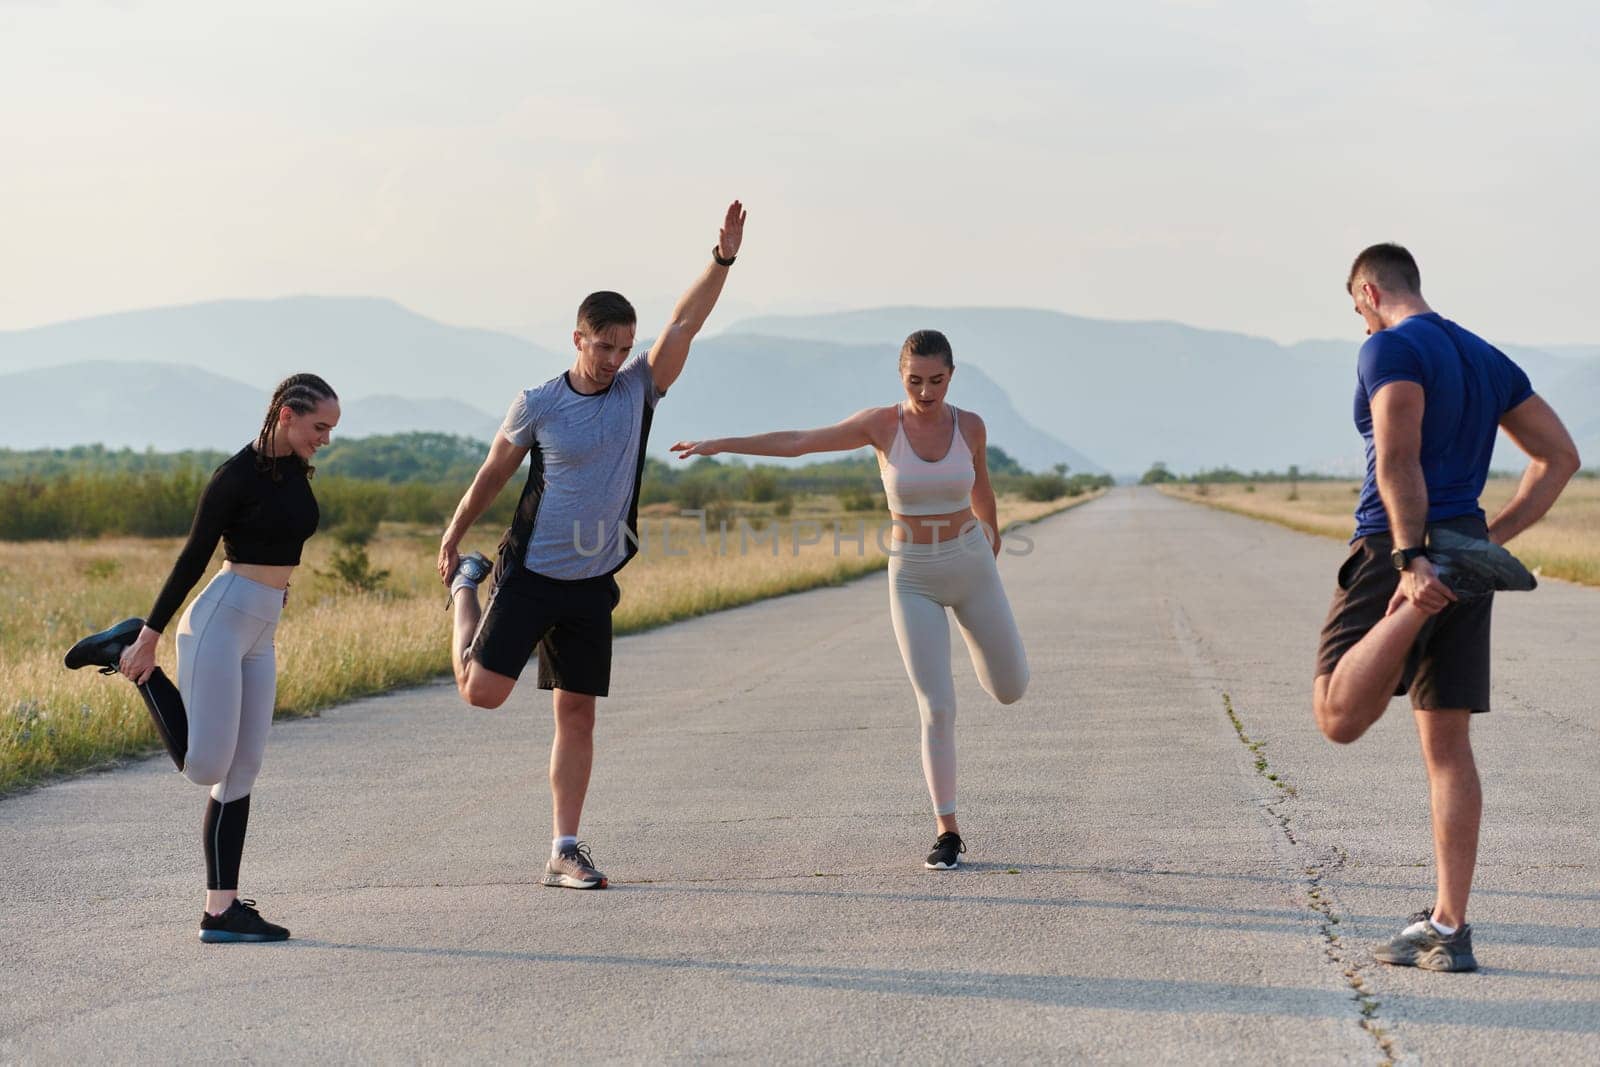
502 462
1397 446
855 432
671 349
1534 427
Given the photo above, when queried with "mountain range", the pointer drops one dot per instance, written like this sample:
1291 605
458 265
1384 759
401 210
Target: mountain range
198 377
1053 388
1138 392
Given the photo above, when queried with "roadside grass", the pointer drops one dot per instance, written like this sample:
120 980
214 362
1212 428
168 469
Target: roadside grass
335 644
1564 544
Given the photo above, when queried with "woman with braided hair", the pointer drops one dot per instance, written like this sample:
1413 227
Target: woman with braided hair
214 721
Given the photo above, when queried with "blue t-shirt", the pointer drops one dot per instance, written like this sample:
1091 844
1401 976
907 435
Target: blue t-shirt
1467 383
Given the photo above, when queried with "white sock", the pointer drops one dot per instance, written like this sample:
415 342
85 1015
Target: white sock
1444 931
462 582
560 843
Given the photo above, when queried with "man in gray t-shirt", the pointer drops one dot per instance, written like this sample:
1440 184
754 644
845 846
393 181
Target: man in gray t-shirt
589 450
575 526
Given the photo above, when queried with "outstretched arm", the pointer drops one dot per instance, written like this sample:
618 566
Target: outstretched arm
671 349
854 432
1534 427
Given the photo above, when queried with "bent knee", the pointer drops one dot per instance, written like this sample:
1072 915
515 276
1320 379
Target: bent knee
1342 733
483 694
203 771
1011 691
1337 723
484 697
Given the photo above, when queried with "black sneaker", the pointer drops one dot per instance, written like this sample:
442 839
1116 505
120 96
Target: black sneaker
1475 567
1421 944
474 567
241 922
104 649
946 854
573 868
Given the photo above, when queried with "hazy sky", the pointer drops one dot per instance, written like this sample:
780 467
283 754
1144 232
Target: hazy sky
487 164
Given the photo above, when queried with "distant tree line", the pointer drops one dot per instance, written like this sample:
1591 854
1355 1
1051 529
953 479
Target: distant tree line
93 491
1159 474
98 459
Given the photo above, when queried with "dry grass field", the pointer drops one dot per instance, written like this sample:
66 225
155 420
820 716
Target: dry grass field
1565 544
335 644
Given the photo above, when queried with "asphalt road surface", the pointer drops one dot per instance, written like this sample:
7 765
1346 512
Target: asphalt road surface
1142 884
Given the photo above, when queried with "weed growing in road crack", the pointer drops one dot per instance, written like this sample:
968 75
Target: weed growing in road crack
1318 898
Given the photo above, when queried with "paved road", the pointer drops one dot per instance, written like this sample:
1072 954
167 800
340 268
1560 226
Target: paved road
1137 888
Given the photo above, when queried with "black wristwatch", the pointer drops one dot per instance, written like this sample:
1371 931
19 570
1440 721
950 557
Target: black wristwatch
1402 557
716 254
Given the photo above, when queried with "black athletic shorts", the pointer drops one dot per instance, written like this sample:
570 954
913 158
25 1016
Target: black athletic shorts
569 622
1448 667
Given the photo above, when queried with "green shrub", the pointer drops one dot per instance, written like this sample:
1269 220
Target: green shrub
352 568
858 498
696 493
98 570
1042 487
761 486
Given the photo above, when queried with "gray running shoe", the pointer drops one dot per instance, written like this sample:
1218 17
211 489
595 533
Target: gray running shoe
1475 567
574 869
1420 944
475 567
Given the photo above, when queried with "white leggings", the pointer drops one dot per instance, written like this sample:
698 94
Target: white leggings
228 676
923 581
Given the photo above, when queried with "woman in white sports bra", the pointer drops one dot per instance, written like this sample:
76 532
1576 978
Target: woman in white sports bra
936 480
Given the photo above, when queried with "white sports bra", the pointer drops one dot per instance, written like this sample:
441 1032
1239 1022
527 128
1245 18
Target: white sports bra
914 486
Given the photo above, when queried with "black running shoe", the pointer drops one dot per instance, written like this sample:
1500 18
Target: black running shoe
1421 944
1475 567
104 649
241 922
946 854
474 567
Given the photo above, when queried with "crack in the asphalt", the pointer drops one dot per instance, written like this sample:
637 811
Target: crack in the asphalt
1318 897
1568 722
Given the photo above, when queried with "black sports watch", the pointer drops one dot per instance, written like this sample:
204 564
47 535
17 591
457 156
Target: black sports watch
1402 557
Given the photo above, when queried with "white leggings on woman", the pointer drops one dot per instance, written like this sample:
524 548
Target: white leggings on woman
923 581
228 676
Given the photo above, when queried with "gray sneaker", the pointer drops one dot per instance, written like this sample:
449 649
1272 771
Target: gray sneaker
574 869
474 567
1475 567
1420 944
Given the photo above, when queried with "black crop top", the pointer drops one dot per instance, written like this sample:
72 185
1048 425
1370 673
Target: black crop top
257 519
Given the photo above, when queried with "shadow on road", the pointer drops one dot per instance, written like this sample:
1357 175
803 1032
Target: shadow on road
1255 920
1162 996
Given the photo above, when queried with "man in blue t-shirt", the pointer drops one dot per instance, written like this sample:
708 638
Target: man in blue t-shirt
1412 606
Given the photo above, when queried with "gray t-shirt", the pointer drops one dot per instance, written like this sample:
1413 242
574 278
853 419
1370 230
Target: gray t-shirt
583 488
